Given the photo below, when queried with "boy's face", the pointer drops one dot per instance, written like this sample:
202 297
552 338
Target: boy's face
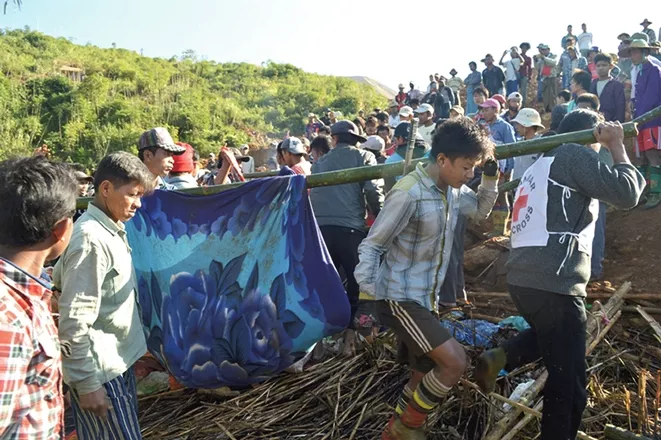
121 202
385 135
160 163
370 129
559 100
479 98
456 172
573 87
520 129
603 69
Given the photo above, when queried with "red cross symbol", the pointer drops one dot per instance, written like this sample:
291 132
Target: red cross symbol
520 203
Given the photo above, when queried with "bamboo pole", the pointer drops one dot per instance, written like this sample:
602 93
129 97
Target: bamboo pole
361 174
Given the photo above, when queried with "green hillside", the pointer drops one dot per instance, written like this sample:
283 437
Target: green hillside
204 103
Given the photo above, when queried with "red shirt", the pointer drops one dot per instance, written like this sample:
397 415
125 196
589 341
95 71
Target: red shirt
401 99
526 67
31 404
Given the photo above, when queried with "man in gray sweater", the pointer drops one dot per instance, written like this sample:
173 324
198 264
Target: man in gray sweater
340 210
553 222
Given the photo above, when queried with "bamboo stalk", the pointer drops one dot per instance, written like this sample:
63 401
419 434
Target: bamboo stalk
615 433
361 174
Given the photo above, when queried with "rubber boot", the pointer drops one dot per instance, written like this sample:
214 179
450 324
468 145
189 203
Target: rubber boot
499 219
397 430
489 365
654 197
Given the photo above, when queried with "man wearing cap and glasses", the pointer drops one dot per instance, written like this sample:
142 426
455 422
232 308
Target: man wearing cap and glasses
155 150
341 209
545 63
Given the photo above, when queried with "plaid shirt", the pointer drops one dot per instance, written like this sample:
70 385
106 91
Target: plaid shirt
31 405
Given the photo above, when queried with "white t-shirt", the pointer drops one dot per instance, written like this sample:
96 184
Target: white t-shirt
511 68
426 133
393 121
601 85
585 41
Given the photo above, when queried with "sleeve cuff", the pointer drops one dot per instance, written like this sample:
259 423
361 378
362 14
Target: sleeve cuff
489 183
87 386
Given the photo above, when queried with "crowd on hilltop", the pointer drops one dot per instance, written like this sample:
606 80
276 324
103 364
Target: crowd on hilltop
398 243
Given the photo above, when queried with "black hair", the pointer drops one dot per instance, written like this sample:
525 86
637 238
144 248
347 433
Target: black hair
580 119
524 44
141 152
346 138
583 79
360 123
36 194
414 101
383 128
589 98
472 63
372 120
565 94
481 90
122 168
603 57
382 117
321 144
325 130
461 138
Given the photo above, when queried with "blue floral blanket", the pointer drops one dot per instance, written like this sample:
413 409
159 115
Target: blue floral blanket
234 287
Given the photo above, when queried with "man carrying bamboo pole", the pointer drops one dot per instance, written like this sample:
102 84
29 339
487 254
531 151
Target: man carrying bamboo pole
413 237
553 224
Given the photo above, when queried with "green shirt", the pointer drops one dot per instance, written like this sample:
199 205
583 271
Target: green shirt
100 329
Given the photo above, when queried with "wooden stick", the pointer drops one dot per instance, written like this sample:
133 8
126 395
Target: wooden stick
642 402
603 332
505 425
651 321
614 433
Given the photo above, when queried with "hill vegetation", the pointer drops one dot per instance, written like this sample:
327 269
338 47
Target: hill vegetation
84 101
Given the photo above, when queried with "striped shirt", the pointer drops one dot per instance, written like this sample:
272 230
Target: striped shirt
31 405
414 234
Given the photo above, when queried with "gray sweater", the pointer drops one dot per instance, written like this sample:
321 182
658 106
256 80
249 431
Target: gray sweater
579 168
344 205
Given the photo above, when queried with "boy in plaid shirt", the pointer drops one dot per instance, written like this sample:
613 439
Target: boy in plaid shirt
39 201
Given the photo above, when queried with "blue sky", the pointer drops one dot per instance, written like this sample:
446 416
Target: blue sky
391 41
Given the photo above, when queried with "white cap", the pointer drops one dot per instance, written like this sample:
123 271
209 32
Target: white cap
400 86
515 95
425 108
374 143
293 145
529 117
406 111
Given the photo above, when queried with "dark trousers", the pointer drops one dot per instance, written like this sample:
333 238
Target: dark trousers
453 287
342 244
557 335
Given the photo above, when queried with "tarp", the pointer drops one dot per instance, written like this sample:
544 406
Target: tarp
235 286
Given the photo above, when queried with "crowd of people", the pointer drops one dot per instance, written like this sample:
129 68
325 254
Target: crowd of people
397 243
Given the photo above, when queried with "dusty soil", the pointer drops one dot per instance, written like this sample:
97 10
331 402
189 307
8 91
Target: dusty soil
633 248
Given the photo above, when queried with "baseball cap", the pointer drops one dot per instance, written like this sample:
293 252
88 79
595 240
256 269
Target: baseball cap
457 108
490 103
347 127
425 108
528 117
515 95
406 111
500 99
374 143
183 163
400 86
293 145
82 177
159 137
487 56
393 103
402 130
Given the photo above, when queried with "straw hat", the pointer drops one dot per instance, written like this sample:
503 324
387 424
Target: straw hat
635 44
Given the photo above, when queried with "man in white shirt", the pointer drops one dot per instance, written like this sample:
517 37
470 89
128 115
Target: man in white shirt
511 70
393 119
585 41
426 127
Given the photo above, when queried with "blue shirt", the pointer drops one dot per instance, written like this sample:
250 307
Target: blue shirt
502 132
